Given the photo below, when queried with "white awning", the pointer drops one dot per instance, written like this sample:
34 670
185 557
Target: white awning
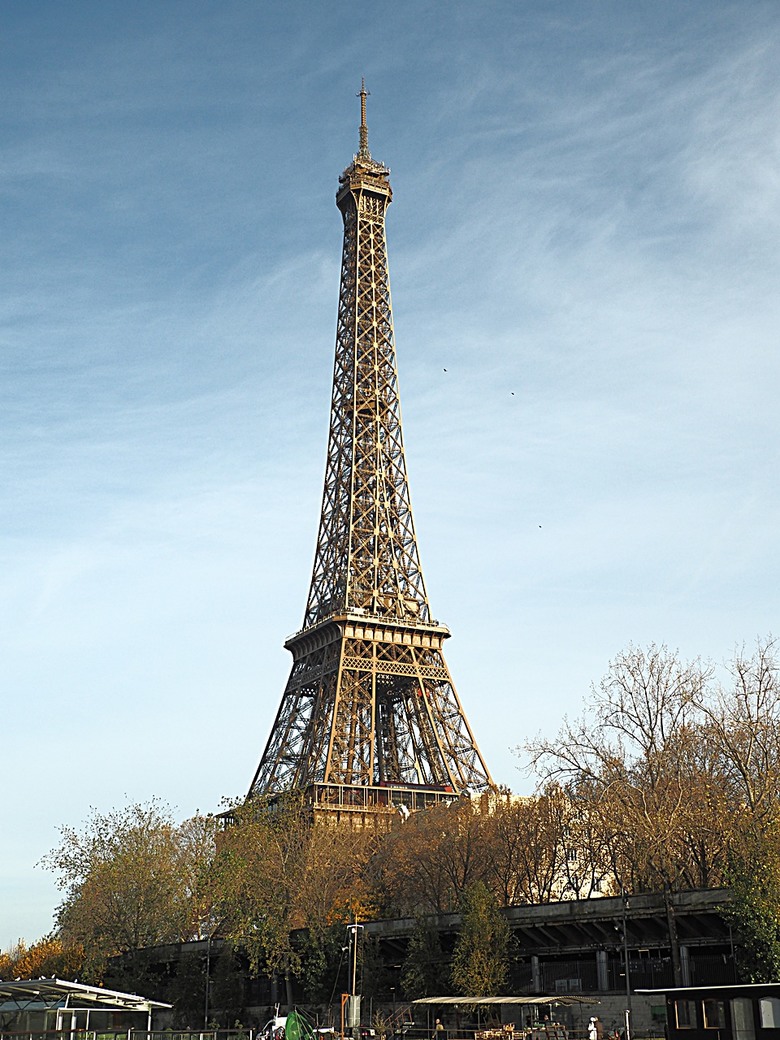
73 995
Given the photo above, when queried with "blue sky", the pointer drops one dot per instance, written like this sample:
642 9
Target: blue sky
584 235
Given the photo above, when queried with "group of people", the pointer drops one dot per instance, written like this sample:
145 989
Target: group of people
595 1029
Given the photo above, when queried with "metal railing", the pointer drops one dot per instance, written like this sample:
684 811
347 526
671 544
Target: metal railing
128 1034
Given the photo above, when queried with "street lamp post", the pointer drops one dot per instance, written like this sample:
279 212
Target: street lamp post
354 999
208 979
624 899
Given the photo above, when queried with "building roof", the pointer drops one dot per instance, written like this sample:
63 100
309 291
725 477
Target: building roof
732 987
563 999
586 925
57 992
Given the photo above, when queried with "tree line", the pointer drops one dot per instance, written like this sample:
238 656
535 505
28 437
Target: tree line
670 779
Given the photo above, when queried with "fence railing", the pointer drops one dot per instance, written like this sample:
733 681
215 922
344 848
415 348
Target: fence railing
128 1034
398 1031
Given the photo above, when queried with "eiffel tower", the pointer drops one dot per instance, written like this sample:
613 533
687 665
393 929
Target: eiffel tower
369 722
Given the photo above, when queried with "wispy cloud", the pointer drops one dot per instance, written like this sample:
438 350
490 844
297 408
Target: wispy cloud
583 235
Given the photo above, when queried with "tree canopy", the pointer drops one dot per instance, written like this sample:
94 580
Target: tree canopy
132 878
480 961
669 780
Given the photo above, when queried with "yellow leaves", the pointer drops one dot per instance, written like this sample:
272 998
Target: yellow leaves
276 872
48 958
357 903
133 878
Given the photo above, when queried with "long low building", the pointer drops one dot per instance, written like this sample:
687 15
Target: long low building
571 947
581 945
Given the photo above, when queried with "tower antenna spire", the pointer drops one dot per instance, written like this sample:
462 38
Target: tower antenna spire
363 152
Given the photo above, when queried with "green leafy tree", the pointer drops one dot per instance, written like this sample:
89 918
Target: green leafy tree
322 964
423 973
132 878
187 990
755 910
228 986
480 961
374 973
277 873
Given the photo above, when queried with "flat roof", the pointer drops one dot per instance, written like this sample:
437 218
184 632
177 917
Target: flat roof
74 994
728 988
561 998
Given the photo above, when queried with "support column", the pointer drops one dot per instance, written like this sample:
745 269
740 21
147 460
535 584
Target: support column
685 966
602 972
536 974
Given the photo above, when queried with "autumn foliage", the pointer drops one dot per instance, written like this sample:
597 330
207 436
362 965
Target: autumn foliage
669 780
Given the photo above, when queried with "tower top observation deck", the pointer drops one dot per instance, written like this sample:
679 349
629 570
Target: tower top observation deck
363 170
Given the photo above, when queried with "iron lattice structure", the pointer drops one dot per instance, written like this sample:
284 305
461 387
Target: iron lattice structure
369 716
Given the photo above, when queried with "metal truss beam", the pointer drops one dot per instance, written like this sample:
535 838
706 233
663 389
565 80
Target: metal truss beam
370 700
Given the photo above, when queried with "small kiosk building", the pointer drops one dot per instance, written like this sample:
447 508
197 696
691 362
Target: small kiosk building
738 1012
